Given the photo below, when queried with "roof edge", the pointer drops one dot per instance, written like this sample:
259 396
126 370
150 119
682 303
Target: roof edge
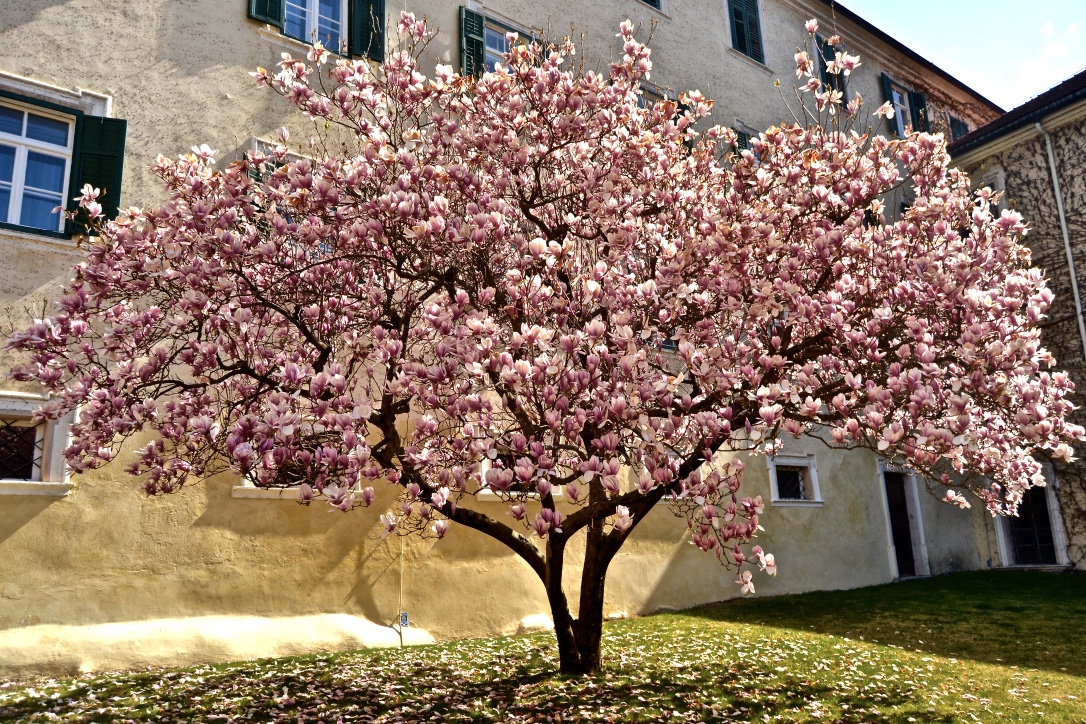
866 26
1057 97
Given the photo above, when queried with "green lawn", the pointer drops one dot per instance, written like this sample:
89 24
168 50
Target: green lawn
991 646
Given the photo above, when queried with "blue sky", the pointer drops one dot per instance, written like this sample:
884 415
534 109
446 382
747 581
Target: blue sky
1008 51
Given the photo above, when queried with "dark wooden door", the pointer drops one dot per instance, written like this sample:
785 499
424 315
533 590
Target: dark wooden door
899 523
1031 531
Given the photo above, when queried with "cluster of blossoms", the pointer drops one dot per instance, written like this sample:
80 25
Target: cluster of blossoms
531 283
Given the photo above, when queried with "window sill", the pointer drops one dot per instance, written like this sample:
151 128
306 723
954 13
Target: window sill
659 11
276 37
249 492
34 487
272 34
796 503
743 56
24 234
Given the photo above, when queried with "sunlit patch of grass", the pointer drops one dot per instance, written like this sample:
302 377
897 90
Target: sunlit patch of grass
756 660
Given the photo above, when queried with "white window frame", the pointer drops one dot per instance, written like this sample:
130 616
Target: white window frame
51 475
312 23
23 146
795 461
903 113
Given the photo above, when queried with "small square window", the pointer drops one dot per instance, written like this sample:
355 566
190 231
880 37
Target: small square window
793 483
794 480
21 446
958 128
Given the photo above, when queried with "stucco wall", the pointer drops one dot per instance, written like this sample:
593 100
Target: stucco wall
177 70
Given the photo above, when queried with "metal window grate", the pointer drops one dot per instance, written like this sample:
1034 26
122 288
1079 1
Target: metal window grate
792 483
20 450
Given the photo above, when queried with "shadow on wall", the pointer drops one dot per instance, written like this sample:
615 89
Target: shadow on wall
18 510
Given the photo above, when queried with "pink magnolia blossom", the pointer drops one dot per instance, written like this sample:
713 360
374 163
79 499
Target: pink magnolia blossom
529 280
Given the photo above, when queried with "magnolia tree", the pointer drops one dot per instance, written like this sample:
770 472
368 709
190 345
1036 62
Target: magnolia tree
536 285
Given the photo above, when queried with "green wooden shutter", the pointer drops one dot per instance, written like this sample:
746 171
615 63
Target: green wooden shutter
754 31
918 105
958 128
268 11
888 96
98 161
367 29
746 32
472 42
742 141
827 53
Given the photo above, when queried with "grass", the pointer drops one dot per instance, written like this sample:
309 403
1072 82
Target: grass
970 647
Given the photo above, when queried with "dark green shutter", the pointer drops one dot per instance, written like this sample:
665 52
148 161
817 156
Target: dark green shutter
958 128
918 105
888 96
742 140
754 31
367 24
827 53
99 161
268 11
746 34
472 42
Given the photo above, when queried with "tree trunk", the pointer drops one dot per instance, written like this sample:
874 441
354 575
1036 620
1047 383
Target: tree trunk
579 638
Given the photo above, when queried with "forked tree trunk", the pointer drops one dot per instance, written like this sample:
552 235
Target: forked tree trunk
579 638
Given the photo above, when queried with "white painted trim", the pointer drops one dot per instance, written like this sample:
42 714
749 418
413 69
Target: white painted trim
56 244
95 104
34 487
916 519
804 461
916 525
746 58
1059 535
1003 542
50 471
891 549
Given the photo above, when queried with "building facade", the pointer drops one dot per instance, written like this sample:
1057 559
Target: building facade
94 575
1035 156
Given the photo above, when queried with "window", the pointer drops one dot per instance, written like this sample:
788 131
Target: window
826 54
746 29
322 20
958 128
653 4
995 179
20 449
483 42
31 456
910 108
35 163
357 26
47 153
794 481
743 136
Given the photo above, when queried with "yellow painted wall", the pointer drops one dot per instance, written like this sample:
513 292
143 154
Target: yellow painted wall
105 577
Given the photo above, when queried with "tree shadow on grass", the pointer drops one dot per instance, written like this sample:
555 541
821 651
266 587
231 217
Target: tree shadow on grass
1008 618
327 688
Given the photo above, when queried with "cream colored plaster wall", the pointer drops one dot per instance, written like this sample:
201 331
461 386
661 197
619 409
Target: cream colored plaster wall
177 70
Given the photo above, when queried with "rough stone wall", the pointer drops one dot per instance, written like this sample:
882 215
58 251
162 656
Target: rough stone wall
1029 190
